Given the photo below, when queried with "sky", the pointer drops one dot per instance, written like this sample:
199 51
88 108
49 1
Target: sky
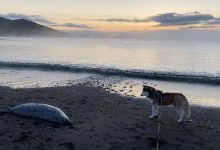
116 15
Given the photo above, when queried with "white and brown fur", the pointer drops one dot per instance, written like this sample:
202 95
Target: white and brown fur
158 98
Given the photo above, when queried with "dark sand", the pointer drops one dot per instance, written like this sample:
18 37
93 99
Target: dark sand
102 121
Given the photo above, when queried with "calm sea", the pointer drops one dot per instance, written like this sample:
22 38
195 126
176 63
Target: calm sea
186 61
184 57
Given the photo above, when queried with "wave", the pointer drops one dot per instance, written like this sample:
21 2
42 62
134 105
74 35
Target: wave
157 75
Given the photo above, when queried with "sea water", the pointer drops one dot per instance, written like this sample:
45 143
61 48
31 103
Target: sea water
46 61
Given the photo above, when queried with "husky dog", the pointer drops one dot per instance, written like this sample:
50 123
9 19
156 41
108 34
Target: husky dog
158 98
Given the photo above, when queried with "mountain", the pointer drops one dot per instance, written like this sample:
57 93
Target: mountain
22 27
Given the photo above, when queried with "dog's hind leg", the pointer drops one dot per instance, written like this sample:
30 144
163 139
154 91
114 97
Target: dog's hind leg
180 112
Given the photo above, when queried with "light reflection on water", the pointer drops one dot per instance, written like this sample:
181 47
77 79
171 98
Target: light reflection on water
198 94
18 78
182 56
202 94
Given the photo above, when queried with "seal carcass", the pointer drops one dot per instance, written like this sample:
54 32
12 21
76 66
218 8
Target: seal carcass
41 111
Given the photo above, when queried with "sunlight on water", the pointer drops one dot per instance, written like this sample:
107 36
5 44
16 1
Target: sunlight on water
193 57
18 78
197 94
182 56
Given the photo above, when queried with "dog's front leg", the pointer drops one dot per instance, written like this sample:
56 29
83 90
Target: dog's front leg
154 111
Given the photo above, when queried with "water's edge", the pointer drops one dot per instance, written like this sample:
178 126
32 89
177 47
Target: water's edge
142 74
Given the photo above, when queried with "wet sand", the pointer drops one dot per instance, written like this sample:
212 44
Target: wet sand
102 121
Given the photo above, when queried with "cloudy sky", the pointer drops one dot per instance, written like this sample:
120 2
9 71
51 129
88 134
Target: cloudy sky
116 15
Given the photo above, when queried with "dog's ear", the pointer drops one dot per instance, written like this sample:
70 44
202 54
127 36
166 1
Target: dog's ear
152 89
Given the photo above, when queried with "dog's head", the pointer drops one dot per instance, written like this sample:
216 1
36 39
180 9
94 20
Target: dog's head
148 91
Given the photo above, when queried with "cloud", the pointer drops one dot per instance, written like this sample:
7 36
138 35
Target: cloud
82 26
125 20
173 19
34 18
41 20
200 27
216 21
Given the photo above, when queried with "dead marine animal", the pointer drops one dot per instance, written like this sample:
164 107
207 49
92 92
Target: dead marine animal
40 111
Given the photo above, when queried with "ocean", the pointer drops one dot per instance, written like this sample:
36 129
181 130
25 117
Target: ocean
188 66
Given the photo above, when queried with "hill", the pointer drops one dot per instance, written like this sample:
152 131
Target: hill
22 27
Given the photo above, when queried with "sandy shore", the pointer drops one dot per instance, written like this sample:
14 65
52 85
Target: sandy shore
102 121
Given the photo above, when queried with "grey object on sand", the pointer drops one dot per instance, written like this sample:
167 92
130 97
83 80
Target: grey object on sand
41 111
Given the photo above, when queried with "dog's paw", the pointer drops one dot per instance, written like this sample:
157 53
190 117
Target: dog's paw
179 120
151 116
189 120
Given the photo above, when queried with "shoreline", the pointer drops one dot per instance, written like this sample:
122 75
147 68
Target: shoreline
102 121
172 76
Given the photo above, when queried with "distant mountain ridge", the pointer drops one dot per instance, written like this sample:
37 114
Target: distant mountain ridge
22 27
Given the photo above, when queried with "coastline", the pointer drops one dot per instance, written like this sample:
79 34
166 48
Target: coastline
102 120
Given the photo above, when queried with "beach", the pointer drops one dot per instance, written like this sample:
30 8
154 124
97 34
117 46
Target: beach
88 75
102 120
